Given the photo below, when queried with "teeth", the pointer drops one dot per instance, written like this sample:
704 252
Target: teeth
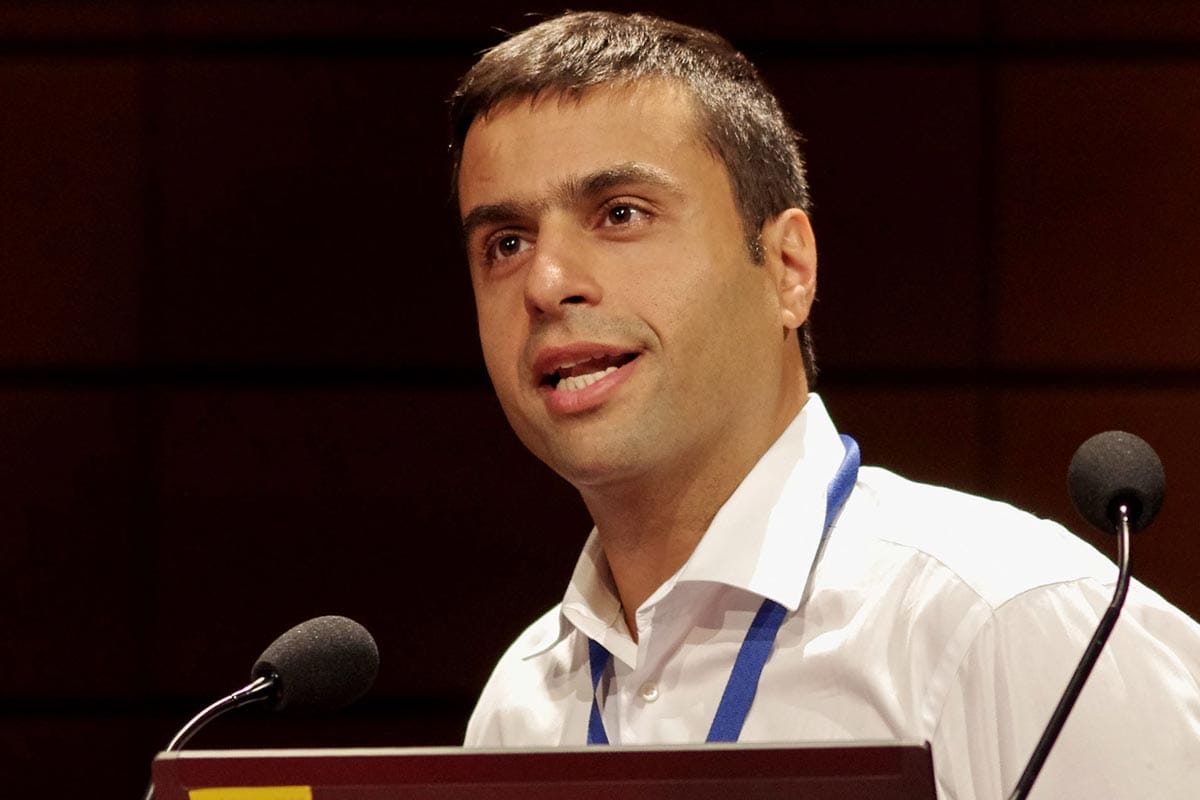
577 382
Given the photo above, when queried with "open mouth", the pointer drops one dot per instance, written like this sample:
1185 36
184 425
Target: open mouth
581 374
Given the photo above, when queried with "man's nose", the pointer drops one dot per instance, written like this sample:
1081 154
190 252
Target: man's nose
561 275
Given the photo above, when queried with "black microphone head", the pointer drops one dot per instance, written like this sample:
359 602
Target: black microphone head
1115 468
322 664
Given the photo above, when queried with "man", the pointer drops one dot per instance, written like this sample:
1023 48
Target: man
633 207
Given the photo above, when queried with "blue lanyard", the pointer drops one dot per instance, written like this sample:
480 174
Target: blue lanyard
760 639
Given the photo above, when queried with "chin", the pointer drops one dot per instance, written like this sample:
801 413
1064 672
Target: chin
595 471
587 458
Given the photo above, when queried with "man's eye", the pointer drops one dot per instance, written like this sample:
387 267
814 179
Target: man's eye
622 214
506 246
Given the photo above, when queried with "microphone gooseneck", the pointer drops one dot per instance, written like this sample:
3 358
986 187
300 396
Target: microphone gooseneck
256 691
320 665
1117 483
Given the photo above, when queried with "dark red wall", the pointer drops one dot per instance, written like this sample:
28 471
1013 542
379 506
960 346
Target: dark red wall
239 379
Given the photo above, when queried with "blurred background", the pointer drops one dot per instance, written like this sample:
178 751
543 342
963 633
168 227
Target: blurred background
240 383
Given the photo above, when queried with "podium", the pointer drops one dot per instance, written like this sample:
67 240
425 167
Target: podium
835 771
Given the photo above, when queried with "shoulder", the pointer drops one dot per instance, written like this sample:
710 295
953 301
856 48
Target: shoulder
516 705
996 549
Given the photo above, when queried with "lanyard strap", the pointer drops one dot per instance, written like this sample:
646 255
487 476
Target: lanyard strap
760 639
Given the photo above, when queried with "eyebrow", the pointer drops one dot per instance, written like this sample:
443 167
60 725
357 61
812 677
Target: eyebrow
569 192
617 175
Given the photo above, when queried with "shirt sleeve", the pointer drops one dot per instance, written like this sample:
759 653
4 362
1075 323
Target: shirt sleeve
1135 730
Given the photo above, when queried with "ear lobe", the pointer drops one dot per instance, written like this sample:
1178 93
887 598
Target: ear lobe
794 264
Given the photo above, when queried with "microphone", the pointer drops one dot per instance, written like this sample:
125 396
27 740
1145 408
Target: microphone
1117 483
323 664
319 665
1114 468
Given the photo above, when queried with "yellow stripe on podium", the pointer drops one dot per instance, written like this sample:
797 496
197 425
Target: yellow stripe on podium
252 793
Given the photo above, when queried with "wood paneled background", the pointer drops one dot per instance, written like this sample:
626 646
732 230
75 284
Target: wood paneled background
239 378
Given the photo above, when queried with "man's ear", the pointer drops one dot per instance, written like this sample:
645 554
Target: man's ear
790 251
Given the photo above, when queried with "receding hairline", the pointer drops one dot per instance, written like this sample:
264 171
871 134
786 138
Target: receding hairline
575 94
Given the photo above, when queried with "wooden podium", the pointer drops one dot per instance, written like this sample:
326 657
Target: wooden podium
839 771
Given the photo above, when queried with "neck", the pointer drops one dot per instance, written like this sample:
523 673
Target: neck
646 539
649 527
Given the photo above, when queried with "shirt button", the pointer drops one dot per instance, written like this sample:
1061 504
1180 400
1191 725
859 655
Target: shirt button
649 692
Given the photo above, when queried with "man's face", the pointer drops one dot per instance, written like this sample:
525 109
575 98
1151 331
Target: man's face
623 323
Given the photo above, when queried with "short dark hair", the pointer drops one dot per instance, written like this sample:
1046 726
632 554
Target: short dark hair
740 118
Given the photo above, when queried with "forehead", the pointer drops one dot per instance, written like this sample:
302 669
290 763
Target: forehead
549 136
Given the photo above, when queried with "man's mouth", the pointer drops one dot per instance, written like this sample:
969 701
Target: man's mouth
572 377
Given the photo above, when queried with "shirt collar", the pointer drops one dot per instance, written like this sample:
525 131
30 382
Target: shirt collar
591 603
763 539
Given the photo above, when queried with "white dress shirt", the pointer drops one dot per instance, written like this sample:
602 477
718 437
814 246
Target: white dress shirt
927 614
